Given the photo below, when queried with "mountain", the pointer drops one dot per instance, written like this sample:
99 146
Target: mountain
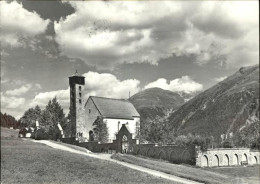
226 108
154 102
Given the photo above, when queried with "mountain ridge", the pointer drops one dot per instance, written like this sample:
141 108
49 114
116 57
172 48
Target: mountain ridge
221 109
154 102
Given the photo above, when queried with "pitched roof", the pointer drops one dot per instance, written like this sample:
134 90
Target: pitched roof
115 108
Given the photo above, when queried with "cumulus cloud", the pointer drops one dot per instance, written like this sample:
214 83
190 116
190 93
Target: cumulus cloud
11 102
219 79
104 85
109 33
19 91
17 22
107 85
183 84
42 99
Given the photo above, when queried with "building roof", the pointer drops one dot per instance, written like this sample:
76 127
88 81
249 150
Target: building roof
115 108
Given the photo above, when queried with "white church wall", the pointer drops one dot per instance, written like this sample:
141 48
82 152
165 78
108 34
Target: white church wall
114 126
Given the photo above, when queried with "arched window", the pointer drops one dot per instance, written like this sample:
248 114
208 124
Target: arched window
244 159
226 160
124 139
204 161
235 160
215 161
256 161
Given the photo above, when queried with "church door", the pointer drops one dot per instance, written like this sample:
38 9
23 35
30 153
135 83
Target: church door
125 144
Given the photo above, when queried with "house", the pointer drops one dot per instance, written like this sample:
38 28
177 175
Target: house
114 112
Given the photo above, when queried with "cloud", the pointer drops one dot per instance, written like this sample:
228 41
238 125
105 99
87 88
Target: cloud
105 39
42 99
104 85
19 91
183 84
107 85
17 22
105 34
11 102
218 79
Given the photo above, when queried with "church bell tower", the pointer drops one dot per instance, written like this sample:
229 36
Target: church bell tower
77 83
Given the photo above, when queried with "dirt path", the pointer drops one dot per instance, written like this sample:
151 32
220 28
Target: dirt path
107 157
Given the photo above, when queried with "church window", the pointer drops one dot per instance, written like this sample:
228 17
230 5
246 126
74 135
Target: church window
80 95
80 88
89 111
79 101
124 139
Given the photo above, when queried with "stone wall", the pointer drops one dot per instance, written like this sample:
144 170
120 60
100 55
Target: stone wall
98 148
227 157
115 146
172 153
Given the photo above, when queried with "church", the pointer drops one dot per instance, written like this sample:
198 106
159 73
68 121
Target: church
116 113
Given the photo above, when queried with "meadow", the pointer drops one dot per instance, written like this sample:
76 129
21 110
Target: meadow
24 161
217 175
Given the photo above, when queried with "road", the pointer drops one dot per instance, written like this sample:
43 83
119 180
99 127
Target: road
107 157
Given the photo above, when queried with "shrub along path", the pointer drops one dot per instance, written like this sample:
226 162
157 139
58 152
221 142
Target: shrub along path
163 175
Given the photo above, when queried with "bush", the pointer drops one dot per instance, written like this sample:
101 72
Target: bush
256 144
227 144
22 131
54 134
33 135
41 135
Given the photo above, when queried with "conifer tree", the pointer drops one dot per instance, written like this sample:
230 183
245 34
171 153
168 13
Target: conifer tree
100 130
30 117
9 121
51 116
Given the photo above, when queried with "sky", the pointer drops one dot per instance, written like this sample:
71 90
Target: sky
121 46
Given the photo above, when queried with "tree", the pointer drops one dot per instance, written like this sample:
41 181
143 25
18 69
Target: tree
100 130
51 116
248 137
9 121
154 131
30 117
197 140
227 144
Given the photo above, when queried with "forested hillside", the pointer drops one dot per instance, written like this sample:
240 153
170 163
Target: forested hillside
9 121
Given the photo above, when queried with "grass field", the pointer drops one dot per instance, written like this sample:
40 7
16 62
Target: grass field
249 175
5 132
23 161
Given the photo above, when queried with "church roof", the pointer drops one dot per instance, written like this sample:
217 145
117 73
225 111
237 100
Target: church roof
115 108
